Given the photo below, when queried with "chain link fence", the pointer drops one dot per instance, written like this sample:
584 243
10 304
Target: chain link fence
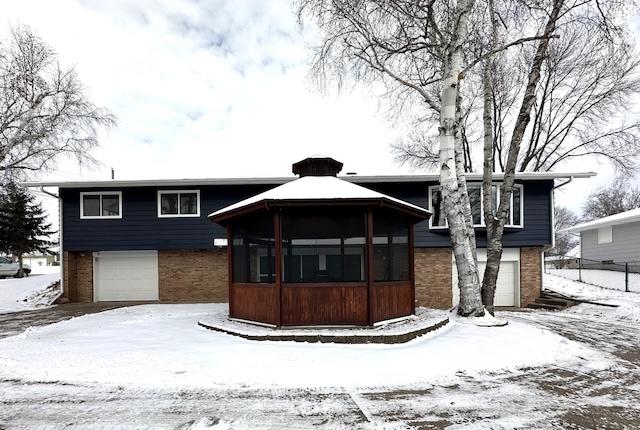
606 274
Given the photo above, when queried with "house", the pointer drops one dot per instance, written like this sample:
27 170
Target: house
152 240
612 239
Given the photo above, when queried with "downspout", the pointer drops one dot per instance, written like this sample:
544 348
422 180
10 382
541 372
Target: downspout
553 226
60 243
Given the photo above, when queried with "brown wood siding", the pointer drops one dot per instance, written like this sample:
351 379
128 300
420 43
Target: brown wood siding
254 302
324 304
391 300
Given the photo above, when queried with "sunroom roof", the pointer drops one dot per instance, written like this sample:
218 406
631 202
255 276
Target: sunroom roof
318 188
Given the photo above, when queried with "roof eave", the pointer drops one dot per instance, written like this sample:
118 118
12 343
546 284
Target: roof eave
283 180
222 218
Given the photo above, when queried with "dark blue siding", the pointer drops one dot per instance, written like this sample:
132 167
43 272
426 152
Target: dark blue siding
537 215
141 229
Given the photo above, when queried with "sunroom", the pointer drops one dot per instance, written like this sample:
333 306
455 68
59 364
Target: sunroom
320 251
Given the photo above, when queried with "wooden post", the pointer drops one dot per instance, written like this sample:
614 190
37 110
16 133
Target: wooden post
230 268
412 266
279 264
370 266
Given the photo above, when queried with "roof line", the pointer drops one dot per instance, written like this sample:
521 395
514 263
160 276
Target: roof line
282 180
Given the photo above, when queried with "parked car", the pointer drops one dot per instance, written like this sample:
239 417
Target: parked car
9 268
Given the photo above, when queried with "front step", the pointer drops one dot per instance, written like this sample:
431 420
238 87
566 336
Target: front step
551 303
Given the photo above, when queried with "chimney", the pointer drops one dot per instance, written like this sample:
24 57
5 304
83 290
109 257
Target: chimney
317 165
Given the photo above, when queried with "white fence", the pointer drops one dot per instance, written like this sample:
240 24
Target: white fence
614 280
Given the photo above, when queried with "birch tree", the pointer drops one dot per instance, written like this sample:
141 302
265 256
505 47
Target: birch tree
585 100
420 54
404 46
45 113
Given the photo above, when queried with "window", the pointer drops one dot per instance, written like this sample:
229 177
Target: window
179 203
439 219
323 246
605 234
390 250
99 205
254 250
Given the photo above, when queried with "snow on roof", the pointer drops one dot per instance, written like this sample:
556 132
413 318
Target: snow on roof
317 188
187 182
621 218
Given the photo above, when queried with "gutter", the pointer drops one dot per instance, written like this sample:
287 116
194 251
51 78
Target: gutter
543 268
568 181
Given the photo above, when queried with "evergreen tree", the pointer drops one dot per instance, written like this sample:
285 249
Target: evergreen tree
23 224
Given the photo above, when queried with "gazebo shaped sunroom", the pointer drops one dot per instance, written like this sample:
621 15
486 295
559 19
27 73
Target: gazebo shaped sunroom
320 250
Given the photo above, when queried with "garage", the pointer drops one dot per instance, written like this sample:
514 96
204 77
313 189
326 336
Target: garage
125 275
508 283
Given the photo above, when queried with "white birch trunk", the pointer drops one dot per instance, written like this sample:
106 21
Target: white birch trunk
452 182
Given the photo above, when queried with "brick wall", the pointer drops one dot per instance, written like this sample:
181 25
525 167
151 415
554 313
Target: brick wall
193 275
530 274
433 277
78 276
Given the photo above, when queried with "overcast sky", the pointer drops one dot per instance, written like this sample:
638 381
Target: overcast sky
212 89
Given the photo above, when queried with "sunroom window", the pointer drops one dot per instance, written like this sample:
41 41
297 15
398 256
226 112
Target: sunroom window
179 203
439 219
99 205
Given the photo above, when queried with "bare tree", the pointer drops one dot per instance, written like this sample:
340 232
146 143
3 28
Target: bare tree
583 108
416 50
589 80
44 110
422 52
621 196
564 242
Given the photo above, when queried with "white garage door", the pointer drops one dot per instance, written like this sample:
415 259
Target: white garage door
125 275
508 283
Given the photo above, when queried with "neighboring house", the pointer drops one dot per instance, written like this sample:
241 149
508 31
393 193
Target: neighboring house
615 238
37 260
153 240
571 260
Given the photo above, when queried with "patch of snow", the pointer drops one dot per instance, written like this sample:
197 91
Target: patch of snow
33 292
154 352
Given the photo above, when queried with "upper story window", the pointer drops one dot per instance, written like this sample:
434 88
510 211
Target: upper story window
184 203
100 205
439 218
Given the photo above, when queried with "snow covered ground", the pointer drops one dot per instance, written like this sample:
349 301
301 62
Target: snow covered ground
609 279
29 292
176 374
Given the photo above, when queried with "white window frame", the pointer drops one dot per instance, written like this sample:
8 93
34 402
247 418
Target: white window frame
101 193
433 188
178 215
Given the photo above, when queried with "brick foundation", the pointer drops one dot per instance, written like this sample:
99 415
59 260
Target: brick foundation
193 275
183 276
530 275
78 276
202 276
433 277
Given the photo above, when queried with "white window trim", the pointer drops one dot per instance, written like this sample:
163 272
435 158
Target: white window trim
101 193
482 224
605 235
178 215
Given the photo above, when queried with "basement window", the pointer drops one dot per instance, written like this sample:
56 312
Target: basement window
101 205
